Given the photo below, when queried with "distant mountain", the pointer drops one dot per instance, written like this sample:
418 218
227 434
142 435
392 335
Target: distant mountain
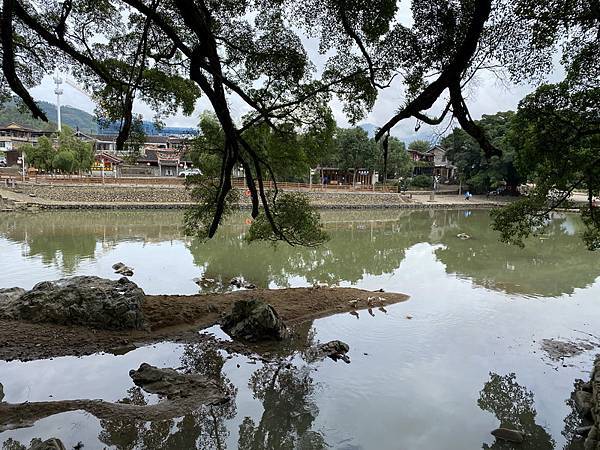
10 113
73 117
151 130
77 119
369 128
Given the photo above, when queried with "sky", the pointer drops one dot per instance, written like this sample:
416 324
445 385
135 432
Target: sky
486 96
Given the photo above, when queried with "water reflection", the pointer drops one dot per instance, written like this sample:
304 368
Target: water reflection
286 393
363 244
202 429
513 406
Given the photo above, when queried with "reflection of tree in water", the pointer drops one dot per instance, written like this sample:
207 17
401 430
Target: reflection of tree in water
11 444
289 410
552 264
66 238
513 406
359 246
362 243
572 422
202 429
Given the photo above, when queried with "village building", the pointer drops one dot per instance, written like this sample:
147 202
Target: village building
336 176
13 136
433 162
442 167
160 156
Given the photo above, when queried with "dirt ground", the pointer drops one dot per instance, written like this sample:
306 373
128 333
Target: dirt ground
178 318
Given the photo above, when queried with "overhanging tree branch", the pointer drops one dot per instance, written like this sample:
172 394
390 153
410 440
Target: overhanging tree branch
8 61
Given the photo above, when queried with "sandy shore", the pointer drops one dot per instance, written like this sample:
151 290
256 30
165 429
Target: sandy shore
178 318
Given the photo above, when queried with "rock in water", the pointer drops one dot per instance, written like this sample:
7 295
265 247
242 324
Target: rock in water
1 392
237 282
254 320
335 350
10 294
118 266
506 434
85 300
170 383
49 444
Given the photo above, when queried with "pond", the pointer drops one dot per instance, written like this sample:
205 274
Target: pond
440 371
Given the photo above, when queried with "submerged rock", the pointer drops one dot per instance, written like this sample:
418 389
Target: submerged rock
506 434
48 444
118 266
122 269
84 300
241 283
335 350
168 382
10 294
558 350
254 320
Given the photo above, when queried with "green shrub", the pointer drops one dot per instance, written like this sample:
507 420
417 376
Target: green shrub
421 181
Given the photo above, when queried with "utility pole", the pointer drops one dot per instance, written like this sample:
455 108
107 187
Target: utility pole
58 91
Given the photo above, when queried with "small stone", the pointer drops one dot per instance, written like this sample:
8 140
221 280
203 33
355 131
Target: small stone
409 317
335 350
506 434
118 266
463 236
237 282
353 303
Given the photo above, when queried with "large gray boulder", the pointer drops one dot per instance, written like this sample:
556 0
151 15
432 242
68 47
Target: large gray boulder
84 300
254 320
10 294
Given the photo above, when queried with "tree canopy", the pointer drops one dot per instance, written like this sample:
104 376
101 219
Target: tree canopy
170 53
478 171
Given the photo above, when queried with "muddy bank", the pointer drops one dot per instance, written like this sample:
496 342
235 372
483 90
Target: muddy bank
179 393
178 318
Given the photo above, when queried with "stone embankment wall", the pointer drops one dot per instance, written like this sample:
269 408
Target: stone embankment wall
78 196
587 399
178 194
108 193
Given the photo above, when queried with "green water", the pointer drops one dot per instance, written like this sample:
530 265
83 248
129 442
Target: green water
467 362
